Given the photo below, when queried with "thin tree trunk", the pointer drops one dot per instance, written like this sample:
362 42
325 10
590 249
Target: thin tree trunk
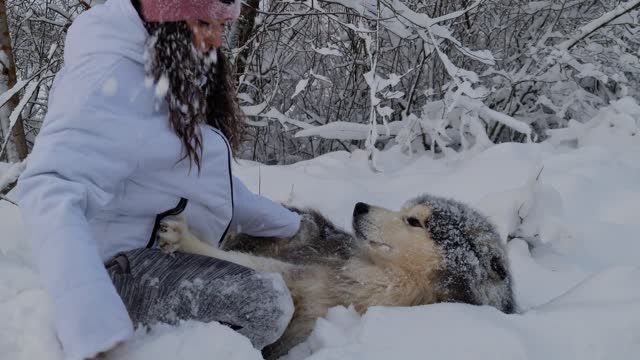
17 149
245 25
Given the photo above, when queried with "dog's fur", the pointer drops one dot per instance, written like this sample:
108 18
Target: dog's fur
432 250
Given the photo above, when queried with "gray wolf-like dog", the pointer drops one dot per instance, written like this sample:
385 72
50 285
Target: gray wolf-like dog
432 250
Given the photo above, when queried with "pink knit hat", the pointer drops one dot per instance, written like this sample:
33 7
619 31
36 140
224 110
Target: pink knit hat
179 10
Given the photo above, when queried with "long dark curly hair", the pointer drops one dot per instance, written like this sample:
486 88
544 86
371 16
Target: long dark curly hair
199 87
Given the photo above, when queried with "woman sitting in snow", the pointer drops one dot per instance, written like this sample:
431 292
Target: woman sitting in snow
141 124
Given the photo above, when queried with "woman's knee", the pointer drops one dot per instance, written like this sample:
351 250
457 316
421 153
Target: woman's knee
273 310
283 301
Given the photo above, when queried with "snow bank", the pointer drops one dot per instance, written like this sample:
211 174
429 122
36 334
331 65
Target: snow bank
190 340
617 125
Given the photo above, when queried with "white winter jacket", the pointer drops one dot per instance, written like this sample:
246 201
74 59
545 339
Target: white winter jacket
105 166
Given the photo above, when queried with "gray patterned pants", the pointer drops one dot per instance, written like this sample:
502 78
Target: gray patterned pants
156 287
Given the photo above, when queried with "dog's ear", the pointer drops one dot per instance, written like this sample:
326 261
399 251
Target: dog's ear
498 269
289 207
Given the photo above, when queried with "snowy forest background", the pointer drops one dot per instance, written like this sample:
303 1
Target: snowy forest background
317 76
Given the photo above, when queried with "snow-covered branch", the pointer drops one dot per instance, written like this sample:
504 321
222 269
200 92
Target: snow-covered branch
596 24
320 75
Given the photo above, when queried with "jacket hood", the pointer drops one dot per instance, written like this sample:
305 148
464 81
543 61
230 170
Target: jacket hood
112 28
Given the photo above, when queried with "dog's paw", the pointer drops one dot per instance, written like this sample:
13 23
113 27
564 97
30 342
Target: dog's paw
171 234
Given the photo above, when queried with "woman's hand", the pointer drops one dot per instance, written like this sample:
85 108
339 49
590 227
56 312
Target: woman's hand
308 230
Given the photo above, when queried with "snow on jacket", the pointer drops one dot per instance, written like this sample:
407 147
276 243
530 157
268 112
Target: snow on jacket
105 165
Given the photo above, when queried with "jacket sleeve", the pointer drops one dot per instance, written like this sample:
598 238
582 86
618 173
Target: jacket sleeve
258 216
77 163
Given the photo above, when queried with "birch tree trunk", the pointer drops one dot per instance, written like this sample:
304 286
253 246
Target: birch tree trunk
17 147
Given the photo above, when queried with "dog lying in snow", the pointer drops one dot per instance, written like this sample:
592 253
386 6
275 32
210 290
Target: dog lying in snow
432 250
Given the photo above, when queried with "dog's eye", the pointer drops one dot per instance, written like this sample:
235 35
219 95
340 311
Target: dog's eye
413 222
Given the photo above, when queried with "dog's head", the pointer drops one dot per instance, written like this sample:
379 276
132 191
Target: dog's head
452 247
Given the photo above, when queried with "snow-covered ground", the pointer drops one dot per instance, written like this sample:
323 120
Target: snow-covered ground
577 275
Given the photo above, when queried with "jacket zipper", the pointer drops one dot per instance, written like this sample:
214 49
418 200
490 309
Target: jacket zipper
182 204
226 230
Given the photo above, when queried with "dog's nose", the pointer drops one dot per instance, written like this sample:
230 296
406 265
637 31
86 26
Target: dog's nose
360 209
